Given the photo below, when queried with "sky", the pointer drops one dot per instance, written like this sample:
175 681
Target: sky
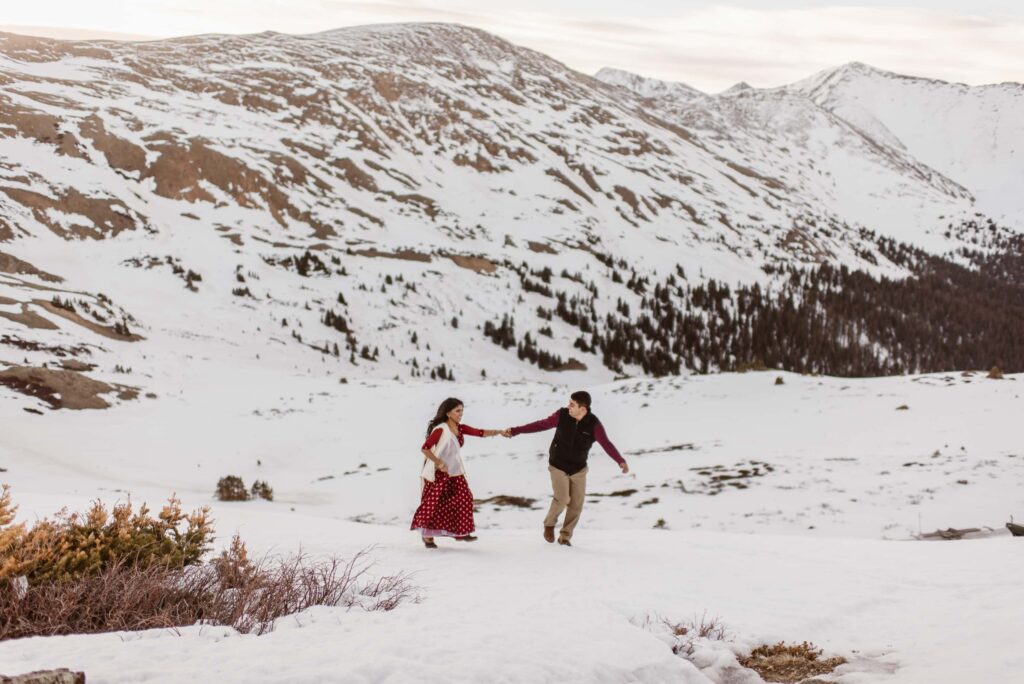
710 46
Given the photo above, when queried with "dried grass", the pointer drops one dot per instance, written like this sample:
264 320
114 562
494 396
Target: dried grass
250 597
783 662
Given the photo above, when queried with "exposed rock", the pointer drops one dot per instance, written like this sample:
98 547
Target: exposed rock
12 264
63 388
30 319
474 263
74 317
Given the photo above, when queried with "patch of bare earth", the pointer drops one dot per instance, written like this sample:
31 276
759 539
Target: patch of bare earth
179 172
120 153
473 263
403 254
32 345
30 319
540 247
506 500
74 317
107 216
63 388
12 264
6 232
38 126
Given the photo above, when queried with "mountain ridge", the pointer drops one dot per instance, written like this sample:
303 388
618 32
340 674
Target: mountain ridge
372 200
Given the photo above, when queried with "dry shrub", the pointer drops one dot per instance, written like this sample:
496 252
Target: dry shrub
789 663
233 566
126 597
685 633
73 544
10 535
231 488
262 490
995 373
695 628
127 571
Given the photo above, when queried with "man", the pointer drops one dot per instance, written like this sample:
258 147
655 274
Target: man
576 430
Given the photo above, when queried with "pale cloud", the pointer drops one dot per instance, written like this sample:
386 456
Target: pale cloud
708 46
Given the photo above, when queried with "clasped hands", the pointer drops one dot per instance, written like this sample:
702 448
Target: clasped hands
507 432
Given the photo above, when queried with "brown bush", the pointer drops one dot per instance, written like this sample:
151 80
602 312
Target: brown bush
123 596
10 536
73 544
995 373
262 490
128 571
789 663
231 488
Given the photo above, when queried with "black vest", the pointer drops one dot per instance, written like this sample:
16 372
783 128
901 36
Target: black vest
572 442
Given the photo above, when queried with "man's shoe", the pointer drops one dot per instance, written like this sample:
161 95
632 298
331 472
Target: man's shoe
564 542
549 534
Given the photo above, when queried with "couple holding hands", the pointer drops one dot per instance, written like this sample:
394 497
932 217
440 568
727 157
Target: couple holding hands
446 503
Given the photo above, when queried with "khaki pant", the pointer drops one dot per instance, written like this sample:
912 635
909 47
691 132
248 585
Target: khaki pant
567 491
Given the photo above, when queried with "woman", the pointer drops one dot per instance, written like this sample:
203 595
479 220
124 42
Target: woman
446 504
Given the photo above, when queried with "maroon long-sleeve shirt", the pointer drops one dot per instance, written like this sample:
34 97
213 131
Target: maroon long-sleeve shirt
551 422
435 436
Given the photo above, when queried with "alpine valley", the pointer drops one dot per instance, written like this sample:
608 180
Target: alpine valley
272 256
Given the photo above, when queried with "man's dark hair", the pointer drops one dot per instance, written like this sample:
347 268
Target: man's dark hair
581 398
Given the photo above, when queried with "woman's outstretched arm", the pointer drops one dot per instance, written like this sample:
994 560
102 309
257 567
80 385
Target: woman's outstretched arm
469 430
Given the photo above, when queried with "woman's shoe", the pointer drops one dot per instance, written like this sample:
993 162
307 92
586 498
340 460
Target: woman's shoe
467 537
429 542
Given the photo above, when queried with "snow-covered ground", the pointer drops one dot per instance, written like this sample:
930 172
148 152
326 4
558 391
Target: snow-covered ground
817 544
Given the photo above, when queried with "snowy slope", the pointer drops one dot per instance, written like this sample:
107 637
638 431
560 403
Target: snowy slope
819 547
972 134
430 136
814 151
429 169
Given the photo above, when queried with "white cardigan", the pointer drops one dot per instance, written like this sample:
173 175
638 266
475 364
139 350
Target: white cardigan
447 449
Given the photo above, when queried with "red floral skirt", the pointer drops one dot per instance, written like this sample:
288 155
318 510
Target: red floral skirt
446 507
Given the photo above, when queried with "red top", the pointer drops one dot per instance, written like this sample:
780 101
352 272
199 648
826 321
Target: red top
551 422
464 429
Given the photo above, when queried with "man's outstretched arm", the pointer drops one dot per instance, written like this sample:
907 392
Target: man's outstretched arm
602 438
548 423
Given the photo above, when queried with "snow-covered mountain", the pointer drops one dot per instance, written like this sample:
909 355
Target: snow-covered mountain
381 195
416 135
972 134
869 132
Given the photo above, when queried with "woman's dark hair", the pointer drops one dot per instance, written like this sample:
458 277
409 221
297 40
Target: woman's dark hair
581 398
442 413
